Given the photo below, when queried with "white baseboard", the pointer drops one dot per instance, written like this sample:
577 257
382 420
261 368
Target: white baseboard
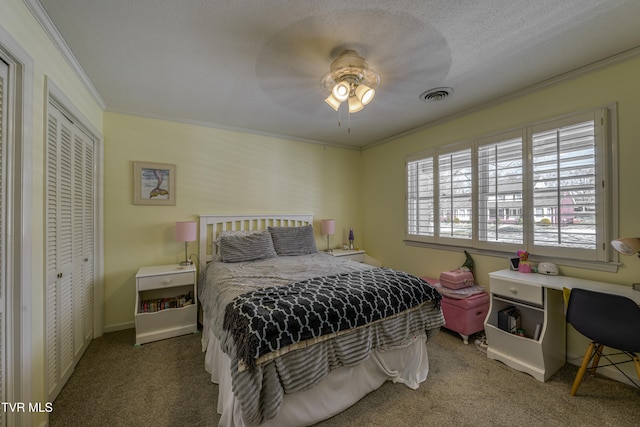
119 327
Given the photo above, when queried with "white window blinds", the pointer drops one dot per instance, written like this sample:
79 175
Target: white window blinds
455 178
500 190
565 186
541 188
420 184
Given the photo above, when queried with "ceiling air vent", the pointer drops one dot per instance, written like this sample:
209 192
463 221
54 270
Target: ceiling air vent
437 94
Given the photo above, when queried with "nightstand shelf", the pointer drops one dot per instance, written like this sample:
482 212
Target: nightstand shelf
166 302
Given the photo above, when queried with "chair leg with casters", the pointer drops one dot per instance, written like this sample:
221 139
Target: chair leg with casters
583 368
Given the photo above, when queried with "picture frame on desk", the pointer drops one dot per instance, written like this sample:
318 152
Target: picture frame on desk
154 183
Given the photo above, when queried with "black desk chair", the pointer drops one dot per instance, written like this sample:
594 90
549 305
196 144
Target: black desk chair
607 320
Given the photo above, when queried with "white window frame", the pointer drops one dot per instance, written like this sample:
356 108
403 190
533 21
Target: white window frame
430 154
453 149
606 146
600 253
482 142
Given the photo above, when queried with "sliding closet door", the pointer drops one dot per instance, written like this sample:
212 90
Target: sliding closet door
69 246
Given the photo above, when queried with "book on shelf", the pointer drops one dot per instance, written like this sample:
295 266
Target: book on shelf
153 305
509 319
536 334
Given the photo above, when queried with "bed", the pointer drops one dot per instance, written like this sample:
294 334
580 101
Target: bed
294 336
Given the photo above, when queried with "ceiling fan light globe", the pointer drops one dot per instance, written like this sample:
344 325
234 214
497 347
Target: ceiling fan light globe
355 105
341 91
365 94
333 102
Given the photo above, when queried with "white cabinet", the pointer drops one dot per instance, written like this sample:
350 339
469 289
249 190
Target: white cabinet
353 255
166 302
538 305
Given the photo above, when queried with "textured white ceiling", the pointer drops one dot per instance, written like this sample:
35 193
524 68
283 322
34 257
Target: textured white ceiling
257 65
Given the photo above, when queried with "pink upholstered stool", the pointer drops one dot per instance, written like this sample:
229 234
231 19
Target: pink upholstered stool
465 316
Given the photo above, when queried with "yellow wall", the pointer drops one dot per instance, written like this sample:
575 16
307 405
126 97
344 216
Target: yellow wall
17 21
218 172
383 173
383 169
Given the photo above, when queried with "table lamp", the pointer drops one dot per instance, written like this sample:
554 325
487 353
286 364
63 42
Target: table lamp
328 227
627 245
186 232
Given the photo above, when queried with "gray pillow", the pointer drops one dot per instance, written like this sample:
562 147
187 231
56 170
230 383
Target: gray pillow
255 246
215 247
293 240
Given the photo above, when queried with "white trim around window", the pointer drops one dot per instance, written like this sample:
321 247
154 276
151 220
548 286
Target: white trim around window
547 188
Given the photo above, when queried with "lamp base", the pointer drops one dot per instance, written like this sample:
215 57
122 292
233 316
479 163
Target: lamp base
187 259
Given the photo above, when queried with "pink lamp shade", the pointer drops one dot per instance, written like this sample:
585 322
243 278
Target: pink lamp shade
186 231
328 226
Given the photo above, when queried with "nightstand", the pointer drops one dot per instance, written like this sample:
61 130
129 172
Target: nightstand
166 302
353 255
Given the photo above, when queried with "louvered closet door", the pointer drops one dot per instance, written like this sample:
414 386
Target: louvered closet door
88 224
4 70
69 247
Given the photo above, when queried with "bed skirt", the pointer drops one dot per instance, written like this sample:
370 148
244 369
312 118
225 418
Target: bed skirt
408 365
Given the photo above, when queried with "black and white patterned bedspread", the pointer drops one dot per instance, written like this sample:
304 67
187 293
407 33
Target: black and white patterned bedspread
266 320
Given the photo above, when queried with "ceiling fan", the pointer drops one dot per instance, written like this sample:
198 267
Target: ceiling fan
406 53
350 79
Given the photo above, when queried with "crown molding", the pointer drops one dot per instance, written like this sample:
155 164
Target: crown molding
50 29
212 125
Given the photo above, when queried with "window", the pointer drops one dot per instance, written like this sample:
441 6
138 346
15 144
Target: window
420 221
541 188
500 186
455 192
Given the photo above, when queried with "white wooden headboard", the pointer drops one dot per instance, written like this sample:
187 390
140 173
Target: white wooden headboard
211 225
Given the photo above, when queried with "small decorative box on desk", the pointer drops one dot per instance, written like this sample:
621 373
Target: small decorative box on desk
166 302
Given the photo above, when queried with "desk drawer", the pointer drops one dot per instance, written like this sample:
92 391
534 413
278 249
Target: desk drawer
164 281
520 291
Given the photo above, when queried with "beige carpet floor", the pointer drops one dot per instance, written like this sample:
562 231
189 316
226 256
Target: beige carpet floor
164 384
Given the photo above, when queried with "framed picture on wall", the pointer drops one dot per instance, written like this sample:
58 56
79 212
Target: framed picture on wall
154 184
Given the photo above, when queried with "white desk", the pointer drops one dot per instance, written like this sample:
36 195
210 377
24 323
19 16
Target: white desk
540 301
559 282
